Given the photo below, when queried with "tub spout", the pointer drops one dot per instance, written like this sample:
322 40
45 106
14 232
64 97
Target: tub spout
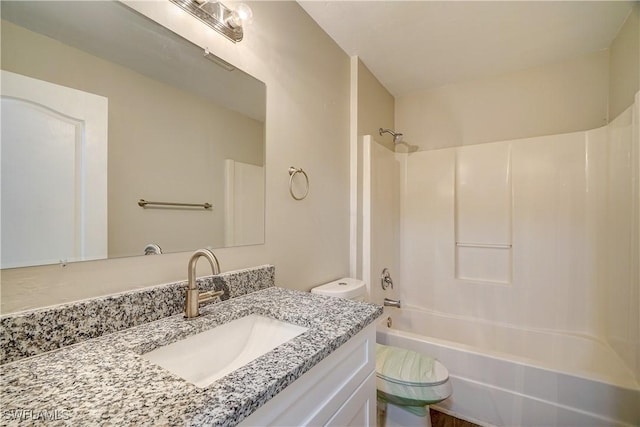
391 303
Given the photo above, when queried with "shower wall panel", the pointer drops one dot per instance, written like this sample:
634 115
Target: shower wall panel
427 237
483 213
620 236
522 207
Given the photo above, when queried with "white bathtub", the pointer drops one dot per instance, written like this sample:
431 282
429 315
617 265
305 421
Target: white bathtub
504 376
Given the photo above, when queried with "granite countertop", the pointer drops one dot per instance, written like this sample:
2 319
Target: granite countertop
105 380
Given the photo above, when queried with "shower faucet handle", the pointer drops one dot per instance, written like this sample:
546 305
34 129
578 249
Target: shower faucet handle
385 279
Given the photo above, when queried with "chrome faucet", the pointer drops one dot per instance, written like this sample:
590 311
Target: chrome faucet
194 297
391 303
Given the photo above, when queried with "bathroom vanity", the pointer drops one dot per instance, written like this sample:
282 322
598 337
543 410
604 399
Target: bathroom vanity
325 375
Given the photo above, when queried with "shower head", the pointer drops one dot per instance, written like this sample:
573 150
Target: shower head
397 136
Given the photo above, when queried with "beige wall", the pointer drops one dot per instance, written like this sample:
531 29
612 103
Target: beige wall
557 98
624 65
164 144
376 106
373 108
307 78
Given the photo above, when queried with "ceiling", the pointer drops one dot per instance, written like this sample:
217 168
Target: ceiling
419 45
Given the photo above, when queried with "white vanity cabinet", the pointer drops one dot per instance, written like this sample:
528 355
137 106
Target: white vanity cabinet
338 391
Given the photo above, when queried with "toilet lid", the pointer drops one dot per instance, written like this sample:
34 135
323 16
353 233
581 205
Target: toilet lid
406 367
343 288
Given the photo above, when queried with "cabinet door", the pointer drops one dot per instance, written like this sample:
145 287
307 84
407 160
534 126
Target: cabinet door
360 409
342 381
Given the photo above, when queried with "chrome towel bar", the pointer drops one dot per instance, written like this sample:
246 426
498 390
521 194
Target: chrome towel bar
484 245
144 203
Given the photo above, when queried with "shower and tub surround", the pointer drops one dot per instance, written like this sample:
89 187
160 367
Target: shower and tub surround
537 237
106 379
32 332
538 233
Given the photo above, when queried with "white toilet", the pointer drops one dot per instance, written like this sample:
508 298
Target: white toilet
405 379
348 288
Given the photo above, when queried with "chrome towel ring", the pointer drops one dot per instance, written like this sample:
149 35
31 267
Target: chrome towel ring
292 172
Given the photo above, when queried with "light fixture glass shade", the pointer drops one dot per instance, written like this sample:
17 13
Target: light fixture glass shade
218 16
241 15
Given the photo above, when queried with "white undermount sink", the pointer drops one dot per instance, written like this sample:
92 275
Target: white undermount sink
205 357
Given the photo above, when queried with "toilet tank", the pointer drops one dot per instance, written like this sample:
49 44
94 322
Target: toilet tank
346 287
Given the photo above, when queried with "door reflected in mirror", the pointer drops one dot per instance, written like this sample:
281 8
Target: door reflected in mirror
159 121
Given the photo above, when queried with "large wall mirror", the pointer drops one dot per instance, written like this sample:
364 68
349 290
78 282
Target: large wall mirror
102 107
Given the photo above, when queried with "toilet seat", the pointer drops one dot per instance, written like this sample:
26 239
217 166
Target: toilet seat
409 379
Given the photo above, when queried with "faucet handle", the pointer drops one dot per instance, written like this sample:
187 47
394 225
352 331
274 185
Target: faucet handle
209 296
385 279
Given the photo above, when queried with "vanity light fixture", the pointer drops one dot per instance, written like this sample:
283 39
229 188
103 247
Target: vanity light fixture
224 20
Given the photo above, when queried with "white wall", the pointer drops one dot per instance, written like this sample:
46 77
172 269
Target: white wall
307 78
576 94
624 64
556 98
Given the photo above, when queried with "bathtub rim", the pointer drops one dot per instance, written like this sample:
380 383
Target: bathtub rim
565 396
633 385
